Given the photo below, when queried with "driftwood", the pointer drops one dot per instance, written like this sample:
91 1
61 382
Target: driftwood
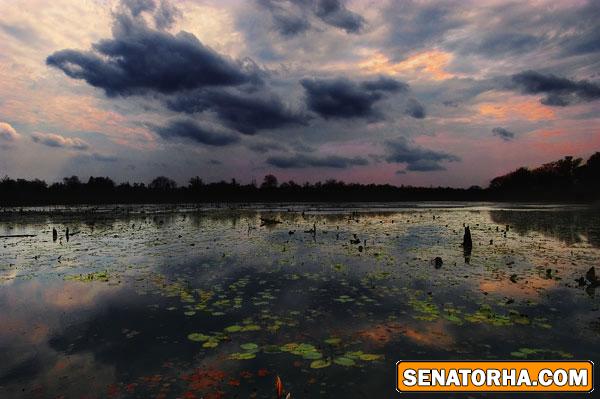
19 235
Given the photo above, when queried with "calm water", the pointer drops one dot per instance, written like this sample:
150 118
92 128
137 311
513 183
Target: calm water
179 302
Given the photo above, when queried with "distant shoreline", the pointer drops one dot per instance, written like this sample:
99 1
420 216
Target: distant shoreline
567 180
285 207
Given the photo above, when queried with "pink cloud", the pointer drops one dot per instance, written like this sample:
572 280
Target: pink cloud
8 133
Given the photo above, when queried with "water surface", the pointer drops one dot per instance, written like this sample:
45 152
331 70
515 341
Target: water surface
211 302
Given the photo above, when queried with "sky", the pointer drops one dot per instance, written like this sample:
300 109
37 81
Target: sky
449 93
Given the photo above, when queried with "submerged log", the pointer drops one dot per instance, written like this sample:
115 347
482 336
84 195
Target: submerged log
591 276
467 240
18 235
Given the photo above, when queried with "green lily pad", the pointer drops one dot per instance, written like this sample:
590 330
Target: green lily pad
319 364
312 355
251 327
333 341
250 346
210 344
198 337
242 356
369 357
344 361
354 355
234 328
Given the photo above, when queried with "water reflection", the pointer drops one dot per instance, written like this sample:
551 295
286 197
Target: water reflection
571 226
209 303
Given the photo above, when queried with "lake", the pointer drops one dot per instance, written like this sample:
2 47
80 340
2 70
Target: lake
215 302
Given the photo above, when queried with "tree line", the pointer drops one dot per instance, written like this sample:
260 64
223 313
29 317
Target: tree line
568 179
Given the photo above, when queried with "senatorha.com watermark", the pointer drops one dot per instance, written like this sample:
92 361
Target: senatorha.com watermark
495 376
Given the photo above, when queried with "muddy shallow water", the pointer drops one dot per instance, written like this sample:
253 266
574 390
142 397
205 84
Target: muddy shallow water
186 302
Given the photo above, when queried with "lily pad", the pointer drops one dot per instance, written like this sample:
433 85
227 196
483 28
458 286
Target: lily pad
234 328
312 355
369 357
333 341
250 346
198 337
320 364
242 356
344 361
210 344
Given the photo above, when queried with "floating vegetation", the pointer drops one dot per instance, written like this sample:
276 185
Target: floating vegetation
89 277
202 289
344 299
426 309
320 364
485 314
250 350
344 361
209 341
307 351
530 353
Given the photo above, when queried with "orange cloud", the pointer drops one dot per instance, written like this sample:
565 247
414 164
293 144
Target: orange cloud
435 335
528 289
549 133
528 109
433 63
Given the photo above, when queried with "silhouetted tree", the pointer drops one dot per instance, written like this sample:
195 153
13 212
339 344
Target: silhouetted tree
269 182
195 183
162 183
568 179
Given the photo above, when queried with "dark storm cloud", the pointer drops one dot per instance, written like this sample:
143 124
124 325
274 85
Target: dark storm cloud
58 141
415 109
242 112
136 7
262 147
558 91
498 44
335 13
343 98
585 39
103 157
424 165
504 134
300 161
165 15
140 59
290 25
416 158
584 43
289 18
383 83
292 17
163 12
188 130
413 25
501 30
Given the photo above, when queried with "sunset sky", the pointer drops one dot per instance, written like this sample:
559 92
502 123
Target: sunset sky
401 92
